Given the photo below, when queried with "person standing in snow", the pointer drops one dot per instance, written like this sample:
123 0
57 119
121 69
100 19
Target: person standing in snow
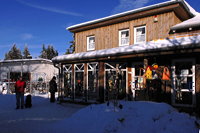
20 86
52 89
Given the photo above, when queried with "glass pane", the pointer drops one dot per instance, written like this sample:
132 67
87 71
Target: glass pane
68 85
184 83
79 84
140 38
91 46
91 40
183 68
124 41
124 34
140 31
91 43
139 70
140 34
121 84
183 97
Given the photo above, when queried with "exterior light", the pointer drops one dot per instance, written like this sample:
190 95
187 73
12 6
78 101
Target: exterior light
155 19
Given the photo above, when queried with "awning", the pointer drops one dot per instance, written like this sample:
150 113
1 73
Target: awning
157 45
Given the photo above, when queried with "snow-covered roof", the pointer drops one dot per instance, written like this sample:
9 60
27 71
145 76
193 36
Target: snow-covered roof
25 60
185 4
164 44
190 23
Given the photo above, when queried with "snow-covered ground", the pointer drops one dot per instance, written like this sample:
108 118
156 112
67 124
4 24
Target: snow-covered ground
134 117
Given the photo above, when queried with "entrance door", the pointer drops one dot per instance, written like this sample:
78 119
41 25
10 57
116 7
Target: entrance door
137 84
92 80
183 76
79 91
68 92
115 81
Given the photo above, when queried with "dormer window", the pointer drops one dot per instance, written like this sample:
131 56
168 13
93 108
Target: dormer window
124 37
90 43
140 34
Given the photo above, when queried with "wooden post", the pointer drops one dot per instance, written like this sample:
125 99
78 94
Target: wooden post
129 82
61 82
85 81
145 63
146 84
100 87
72 81
197 86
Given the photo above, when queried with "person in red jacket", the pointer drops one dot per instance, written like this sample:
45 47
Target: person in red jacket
20 86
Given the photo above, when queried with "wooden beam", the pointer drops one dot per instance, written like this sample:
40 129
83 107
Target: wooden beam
85 81
61 82
72 82
100 88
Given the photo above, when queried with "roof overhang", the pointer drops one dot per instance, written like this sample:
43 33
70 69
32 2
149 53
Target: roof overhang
135 50
173 5
190 23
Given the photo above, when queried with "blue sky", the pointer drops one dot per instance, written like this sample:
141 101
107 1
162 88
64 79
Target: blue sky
36 22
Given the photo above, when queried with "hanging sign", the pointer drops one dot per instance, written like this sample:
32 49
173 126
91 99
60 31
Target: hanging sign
166 74
148 73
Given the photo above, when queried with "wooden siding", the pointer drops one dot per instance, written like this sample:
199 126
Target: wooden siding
108 36
177 8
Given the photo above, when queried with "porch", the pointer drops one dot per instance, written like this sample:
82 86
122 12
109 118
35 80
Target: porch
133 73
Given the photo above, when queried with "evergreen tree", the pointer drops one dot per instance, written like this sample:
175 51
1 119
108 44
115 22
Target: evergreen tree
43 52
71 48
26 53
49 52
68 51
14 53
7 56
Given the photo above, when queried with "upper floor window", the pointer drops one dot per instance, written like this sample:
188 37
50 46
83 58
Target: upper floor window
140 34
124 37
90 43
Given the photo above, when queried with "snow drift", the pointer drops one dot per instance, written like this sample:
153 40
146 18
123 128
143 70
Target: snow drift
134 117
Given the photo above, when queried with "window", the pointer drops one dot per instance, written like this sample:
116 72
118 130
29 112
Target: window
140 34
124 37
90 43
183 77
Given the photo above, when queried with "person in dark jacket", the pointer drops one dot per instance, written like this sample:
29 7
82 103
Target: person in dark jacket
20 86
52 89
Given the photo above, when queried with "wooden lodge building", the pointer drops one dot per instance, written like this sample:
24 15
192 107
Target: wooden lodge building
151 53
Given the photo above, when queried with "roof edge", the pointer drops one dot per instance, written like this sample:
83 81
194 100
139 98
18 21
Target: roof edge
131 12
23 60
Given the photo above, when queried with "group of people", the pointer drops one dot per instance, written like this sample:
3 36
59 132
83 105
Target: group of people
20 86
